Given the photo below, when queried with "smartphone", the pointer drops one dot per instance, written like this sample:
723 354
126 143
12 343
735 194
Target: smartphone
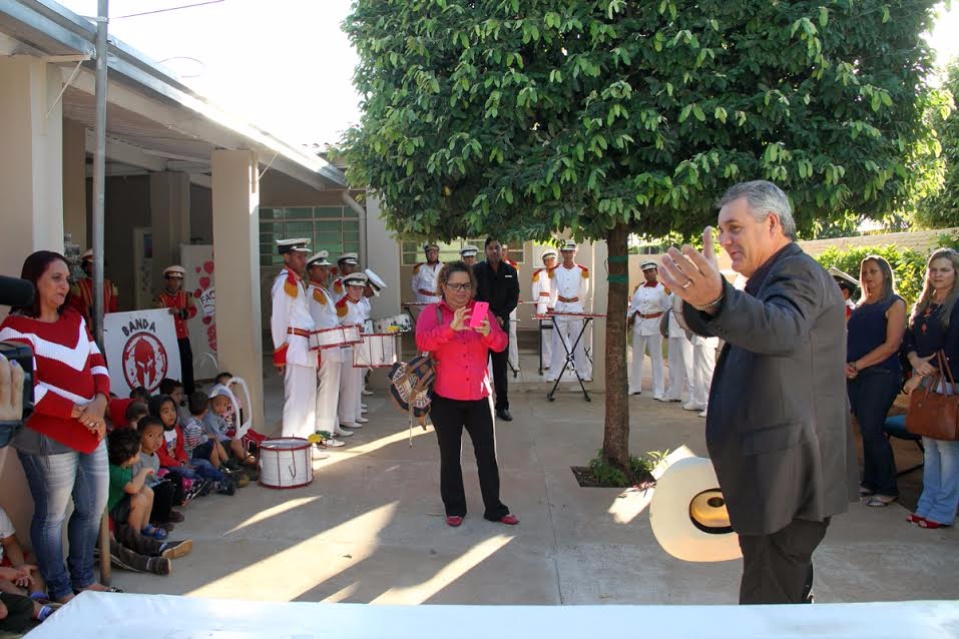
480 310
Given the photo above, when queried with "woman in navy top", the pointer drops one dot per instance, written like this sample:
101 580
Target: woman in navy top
876 327
934 326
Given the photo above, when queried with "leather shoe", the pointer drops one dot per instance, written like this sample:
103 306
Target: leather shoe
503 413
509 520
454 521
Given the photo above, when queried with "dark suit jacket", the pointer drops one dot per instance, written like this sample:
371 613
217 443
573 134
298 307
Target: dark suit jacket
778 425
500 287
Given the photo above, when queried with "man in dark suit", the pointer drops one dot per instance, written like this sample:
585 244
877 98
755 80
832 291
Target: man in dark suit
498 283
777 428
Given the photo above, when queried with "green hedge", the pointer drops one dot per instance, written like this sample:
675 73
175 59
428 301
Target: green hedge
908 266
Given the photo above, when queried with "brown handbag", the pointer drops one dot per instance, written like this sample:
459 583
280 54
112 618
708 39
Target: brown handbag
932 413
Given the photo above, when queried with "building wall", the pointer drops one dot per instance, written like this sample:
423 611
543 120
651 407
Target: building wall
921 241
201 215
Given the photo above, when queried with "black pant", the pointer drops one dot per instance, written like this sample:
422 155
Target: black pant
500 371
19 612
186 364
162 502
777 568
871 396
449 416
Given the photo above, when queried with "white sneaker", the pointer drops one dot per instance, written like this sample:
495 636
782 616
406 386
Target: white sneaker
660 398
319 454
366 393
353 426
363 411
635 392
363 407
333 443
343 433
361 420
693 407
703 414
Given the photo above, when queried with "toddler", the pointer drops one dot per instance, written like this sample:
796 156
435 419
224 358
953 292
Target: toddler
130 499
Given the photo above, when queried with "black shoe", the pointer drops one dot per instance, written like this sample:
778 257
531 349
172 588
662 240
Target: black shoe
503 413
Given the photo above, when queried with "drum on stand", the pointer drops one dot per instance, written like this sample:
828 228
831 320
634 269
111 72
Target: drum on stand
286 462
377 350
336 337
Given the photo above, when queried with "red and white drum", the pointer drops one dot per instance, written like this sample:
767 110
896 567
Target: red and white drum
336 337
286 462
377 350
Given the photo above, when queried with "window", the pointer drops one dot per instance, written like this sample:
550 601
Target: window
450 252
330 228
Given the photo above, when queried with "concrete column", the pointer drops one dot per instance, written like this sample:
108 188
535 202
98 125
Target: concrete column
600 298
31 181
383 258
170 219
236 232
75 183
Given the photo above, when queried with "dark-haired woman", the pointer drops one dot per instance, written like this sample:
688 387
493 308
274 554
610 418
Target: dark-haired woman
62 447
461 391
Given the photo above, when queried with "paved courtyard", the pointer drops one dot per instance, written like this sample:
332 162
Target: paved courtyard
371 528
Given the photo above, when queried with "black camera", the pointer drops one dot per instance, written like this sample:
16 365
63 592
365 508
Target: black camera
17 293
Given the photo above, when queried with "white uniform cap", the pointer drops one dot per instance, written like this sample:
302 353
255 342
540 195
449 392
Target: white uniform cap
549 253
174 270
319 259
349 258
430 245
376 282
649 266
841 276
289 246
356 279
87 255
469 251
568 245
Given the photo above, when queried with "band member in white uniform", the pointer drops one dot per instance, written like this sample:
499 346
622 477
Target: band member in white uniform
468 255
291 325
571 284
545 298
424 275
646 309
699 368
323 311
513 353
679 353
345 264
349 310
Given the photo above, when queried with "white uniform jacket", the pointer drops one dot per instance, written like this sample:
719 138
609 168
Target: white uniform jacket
291 322
543 294
424 282
649 303
569 286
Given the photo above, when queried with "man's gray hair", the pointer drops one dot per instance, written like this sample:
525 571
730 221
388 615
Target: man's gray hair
763 198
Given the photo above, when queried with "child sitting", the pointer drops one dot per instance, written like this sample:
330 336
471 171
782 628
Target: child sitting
13 556
174 388
173 457
234 416
141 394
196 441
130 499
135 412
167 491
217 422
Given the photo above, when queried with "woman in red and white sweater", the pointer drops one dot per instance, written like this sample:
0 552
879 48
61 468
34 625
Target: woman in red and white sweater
62 447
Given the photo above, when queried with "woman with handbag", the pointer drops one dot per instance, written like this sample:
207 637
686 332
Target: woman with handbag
876 328
933 337
460 349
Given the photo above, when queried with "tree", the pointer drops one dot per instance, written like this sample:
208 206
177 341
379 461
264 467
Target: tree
606 117
941 210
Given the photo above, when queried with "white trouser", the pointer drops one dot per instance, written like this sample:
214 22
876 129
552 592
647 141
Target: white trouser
328 391
680 353
513 355
701 371
566 330
653 343
349 404
547 346
299 401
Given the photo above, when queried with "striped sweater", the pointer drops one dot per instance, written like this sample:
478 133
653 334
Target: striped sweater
69 370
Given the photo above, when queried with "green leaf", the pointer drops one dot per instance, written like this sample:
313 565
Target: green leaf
823 16
698 113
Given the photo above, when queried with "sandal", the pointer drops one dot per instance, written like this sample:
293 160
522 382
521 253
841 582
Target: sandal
880 501
153 532
931 525
914 519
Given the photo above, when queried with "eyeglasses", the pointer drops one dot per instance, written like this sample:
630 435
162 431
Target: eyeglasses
460 288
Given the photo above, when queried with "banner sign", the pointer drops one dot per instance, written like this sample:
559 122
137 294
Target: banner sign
141 349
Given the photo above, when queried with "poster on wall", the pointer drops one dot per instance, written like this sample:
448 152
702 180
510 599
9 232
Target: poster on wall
197 261
141 349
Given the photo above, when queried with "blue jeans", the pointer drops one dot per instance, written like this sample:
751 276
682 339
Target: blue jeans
940 481
871 395
53 479
201 469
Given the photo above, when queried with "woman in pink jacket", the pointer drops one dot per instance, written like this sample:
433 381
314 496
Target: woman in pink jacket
462 389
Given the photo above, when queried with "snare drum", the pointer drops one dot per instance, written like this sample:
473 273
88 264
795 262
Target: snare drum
377 350
337 336
286 462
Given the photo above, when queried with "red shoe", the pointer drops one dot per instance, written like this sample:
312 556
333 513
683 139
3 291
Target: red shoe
915 519
509 520
931 525
454 521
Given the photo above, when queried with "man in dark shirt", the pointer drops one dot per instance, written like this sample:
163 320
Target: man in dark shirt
498 283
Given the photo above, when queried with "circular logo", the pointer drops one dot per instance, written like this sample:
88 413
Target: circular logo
145 361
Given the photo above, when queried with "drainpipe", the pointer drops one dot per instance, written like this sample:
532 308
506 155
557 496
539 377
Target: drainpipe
360 211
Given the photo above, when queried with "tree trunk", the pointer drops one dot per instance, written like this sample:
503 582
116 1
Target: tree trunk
616 429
